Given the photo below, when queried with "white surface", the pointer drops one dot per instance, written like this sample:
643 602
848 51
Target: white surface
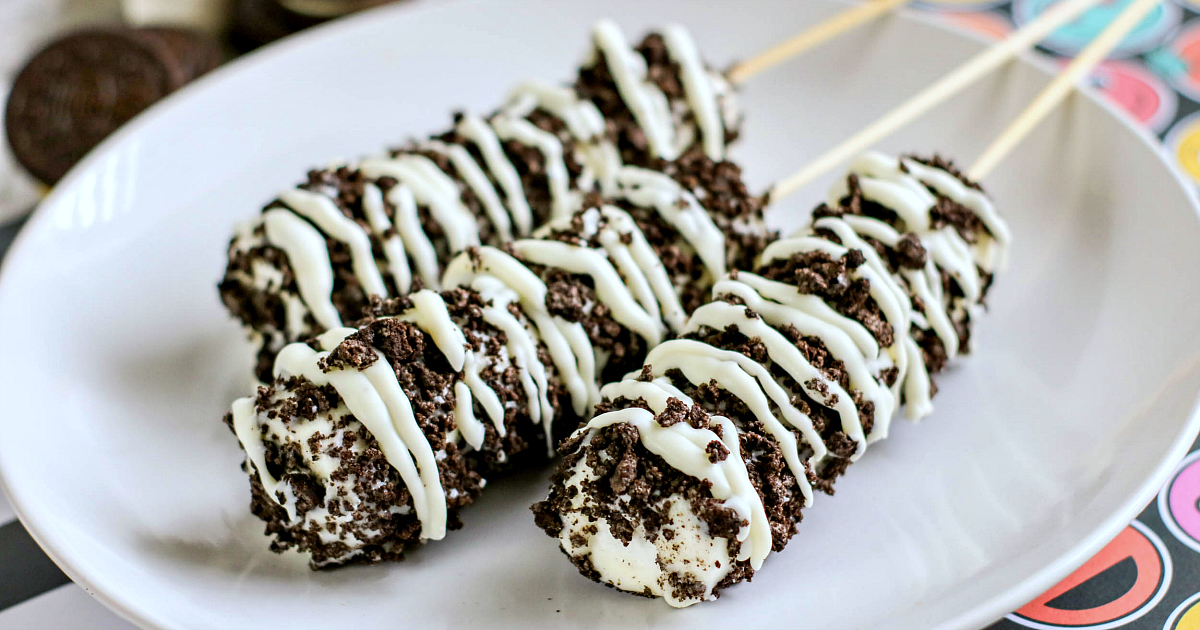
67 606
122 362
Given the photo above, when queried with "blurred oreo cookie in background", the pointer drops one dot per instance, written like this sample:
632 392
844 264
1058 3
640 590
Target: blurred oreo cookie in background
96 73
82 86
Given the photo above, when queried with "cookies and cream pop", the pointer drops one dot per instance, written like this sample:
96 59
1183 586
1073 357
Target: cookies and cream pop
698 465
389 224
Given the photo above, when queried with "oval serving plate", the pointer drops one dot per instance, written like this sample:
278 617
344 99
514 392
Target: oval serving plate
120 361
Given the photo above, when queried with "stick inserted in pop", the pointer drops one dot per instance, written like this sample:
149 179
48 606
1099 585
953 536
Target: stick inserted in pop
813 37
959 79
1062 86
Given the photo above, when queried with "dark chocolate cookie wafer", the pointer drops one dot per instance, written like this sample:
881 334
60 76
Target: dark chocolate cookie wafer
79 89
196 52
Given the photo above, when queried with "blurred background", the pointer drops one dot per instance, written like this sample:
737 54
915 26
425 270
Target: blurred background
60 60
1154 75
70 53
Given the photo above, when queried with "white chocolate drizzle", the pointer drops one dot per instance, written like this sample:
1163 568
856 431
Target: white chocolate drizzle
764 307
376 399
321 210
678 207
625 271
792 309
477 180
584 121
432 188
522 346
562 202
645 101
305 248
706 92
575 363
610 288
394 222
474 128
752 383
393 245
699 89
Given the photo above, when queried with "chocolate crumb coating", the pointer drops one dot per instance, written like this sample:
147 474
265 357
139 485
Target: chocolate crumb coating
388 225
697 467
372 441
629 269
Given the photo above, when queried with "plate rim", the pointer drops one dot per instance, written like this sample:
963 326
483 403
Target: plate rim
41 214
979 615
998 607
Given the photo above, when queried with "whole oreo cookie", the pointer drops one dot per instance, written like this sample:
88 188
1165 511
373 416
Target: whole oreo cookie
79 89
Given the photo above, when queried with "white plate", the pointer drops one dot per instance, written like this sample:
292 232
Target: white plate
119 361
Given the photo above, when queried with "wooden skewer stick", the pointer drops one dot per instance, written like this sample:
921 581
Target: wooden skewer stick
1053 94
958 79
813 37
1063 85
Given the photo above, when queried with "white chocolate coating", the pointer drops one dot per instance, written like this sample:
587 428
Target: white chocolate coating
690 553
643 565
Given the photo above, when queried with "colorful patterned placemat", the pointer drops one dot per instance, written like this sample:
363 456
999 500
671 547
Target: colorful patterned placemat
1149 576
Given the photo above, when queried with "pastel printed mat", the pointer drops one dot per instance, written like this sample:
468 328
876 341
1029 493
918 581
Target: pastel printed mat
1149 576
